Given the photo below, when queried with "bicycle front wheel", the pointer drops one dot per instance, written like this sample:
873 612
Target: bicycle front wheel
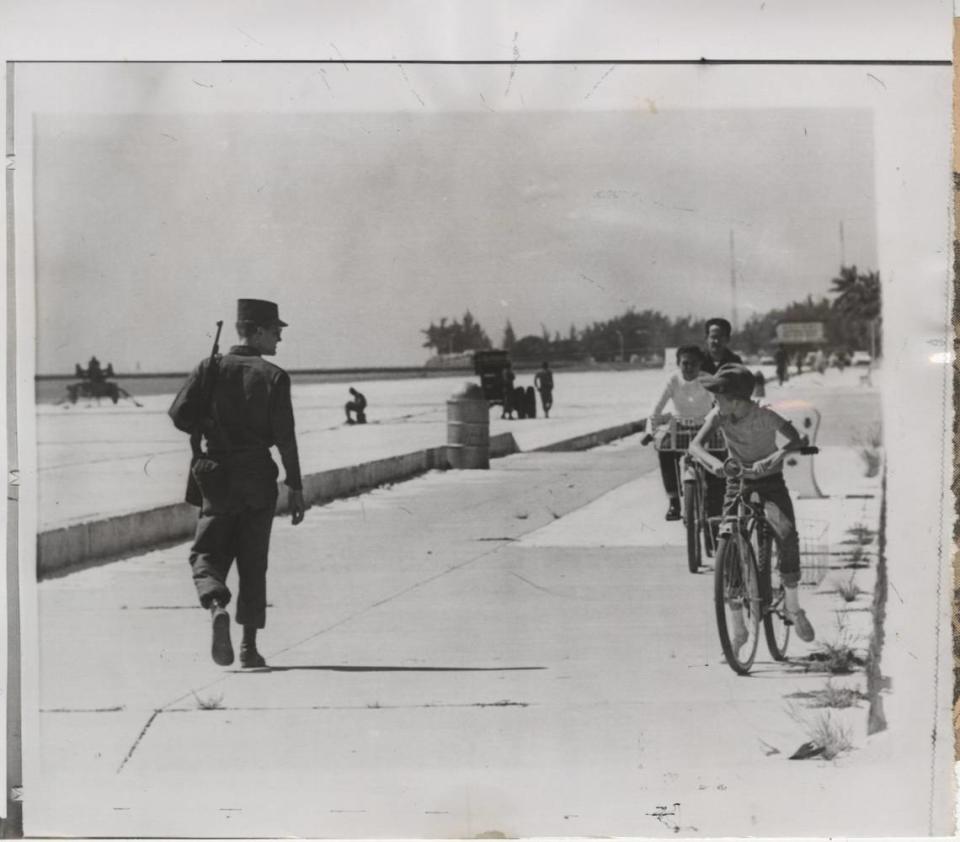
775 628
737 600
691 519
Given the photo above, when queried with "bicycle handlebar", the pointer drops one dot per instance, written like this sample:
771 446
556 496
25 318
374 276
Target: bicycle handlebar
734 468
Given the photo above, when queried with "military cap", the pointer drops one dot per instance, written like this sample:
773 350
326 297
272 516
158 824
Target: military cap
262 313
731 379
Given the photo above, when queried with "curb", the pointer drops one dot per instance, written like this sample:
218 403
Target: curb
120 536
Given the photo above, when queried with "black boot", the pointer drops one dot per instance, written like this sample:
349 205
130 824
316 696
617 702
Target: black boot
221 649
249 656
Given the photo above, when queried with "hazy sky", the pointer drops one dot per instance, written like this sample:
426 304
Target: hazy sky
369 211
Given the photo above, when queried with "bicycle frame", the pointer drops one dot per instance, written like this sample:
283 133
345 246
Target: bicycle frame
691 479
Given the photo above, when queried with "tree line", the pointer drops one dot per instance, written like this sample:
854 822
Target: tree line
850 313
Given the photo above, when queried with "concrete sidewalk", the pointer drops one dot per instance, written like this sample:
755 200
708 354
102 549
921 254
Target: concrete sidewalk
462 654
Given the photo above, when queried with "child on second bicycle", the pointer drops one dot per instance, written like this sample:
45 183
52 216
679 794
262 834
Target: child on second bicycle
691 402
750 432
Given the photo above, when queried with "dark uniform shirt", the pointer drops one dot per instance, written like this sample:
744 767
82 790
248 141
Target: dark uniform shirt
543 380
710 366
251 411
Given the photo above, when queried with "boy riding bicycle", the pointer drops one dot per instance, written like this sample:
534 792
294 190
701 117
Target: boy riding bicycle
750 432
691 403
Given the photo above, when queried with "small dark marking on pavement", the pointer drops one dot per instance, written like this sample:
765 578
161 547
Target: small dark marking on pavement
136 742
534 584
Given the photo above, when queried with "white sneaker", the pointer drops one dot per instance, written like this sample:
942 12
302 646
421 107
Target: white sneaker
800 622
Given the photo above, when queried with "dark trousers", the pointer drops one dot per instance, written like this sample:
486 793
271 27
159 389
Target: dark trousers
778 507
716 486
546 398
244 536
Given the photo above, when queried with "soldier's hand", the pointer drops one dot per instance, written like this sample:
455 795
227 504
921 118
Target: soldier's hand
297 508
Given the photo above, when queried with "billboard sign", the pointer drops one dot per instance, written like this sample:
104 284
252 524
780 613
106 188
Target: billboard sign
800 333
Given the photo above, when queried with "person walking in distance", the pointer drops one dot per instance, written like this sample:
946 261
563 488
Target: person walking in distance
509 378
782 359
246 411
543 381
717 332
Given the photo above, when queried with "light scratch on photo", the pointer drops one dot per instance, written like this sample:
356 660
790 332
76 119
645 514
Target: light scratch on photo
409 85
248 35
323 75
600 82
483 99
878 79
342 59
513 67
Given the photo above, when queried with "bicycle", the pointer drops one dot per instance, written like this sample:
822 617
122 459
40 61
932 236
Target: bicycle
674 437
746 577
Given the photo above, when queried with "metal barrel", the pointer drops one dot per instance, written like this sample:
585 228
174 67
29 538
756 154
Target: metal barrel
468 430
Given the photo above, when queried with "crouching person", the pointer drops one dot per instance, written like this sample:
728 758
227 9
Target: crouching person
240 404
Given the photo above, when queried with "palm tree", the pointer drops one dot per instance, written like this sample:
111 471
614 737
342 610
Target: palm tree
858 302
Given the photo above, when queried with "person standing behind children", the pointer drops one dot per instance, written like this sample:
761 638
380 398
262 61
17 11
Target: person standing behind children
543 381
750 432
718 332
691 402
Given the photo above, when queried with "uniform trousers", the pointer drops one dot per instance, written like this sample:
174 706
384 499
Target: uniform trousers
243 535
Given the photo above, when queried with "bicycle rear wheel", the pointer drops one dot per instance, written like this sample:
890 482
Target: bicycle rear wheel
691 519
736 595
775 628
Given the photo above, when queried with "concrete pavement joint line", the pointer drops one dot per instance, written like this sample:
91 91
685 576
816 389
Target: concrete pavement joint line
116 709
136 742
504 703
351 668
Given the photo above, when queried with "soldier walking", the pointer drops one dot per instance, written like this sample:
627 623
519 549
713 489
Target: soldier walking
240 403
543 380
